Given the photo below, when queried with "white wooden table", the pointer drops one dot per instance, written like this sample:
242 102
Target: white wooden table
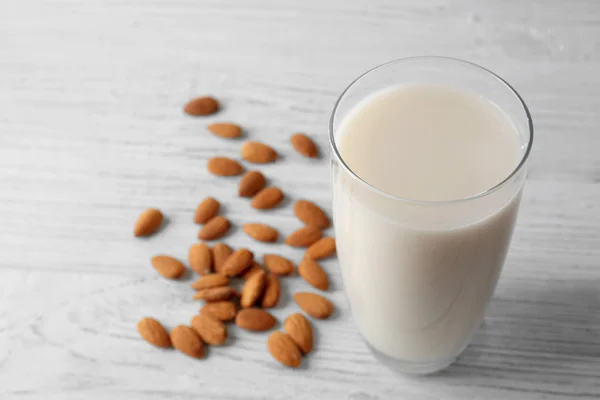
92 132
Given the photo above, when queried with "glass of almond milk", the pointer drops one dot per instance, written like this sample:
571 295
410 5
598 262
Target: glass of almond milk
429 160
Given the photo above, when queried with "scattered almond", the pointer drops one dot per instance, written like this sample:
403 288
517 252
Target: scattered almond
304 145
201 106
216 294
314 304
278 265
322 248
313 273
253 289
222 310
311 214
254 319
225 130
272 292
216 228
169 267
257 152
153 332
206 210
300 330
304 237
255 268
220 252
267 198
210 281
224 166
148 222
209 328
238 262
284 350
252 182
186 340
261 232
200 258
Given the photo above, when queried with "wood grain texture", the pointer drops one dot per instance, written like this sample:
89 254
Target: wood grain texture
92 132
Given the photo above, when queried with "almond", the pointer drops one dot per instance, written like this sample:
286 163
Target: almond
255 268
284 350
238 262
201 106
313 273
187 341
226 130
216 228
148 222
209 328
272 292
252 182
254 319
278 265
322 248
304 237
153 332
222 310
267 198
304 145
169 267
258 153
253 289
224 166
206 210
210 281
314 304
311 214
300 330
220 252
200 258
216 294
261 232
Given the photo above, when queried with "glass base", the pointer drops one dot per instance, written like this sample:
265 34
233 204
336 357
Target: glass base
410 367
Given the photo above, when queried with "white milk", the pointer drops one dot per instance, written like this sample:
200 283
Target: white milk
418 276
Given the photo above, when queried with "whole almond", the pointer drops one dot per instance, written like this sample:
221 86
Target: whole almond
210 281
153 332
258 153
238 262
253 289
311 214
304 237
300 330
201 106
224 166
254 319
216 228
216 294
220 252
261 232
209 328
222 310
314 304
278 265
187 341
225 130
304 145
206 210
267 198
200 258
252 182
272 292
322 248
148 222
169 267
255 268
284 350
313 273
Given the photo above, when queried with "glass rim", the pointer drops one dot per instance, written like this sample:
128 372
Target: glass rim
338 156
